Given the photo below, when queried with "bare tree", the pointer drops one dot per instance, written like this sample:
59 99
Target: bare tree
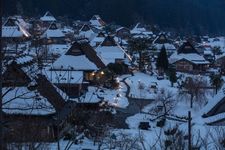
163 104
196 88
121 141
218 138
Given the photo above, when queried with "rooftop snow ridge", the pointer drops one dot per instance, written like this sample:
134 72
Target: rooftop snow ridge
217 101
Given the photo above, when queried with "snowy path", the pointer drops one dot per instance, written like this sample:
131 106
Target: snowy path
134 107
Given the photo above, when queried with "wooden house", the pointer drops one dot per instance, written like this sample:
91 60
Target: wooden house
98 39
220 62
97 22
162 40
86 32
187 59
53 35
47 19
109 51
14 32
73 71
123 33
30 108
140 31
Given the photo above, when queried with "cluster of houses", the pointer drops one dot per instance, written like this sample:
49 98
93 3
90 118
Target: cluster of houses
48 63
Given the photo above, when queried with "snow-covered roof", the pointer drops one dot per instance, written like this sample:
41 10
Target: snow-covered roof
69 62
20 100
168 46
214 101
48 17
109 51
12 28
139 29
53 32
161 39
67 30
192 57
11 32
72 77
208 52
97 21
110 54
220 56
20 21
24 59
87 32
58 48
120 41
120 28
96 40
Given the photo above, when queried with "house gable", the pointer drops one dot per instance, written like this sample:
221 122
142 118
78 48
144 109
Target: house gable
53 26
83 48
109 41
85 28
75 50
100 34
187 48
10 22
161 39
15 76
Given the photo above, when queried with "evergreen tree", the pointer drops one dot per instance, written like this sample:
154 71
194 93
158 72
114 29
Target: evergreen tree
172 76
216 81
162 62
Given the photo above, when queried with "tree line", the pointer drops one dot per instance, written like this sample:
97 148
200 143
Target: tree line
185 16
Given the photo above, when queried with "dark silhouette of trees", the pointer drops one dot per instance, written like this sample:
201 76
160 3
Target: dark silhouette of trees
139 45
172 75
162 62
195 88
195 16
216 81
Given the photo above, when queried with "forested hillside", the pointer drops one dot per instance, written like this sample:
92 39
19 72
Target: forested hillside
198 16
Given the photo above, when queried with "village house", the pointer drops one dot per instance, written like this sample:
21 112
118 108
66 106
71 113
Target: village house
87 32
109 51
220 62
140 31
98 39
187 59
13 34
30 104
97 22
161 41
47 19
74 70
53 35
123 33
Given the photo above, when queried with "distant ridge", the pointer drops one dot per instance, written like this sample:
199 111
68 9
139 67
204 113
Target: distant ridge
184 16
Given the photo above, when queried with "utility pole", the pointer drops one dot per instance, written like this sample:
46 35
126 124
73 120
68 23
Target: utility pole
1 57
189 130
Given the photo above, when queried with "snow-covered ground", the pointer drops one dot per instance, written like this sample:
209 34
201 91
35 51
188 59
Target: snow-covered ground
142 86
115 97
217 42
